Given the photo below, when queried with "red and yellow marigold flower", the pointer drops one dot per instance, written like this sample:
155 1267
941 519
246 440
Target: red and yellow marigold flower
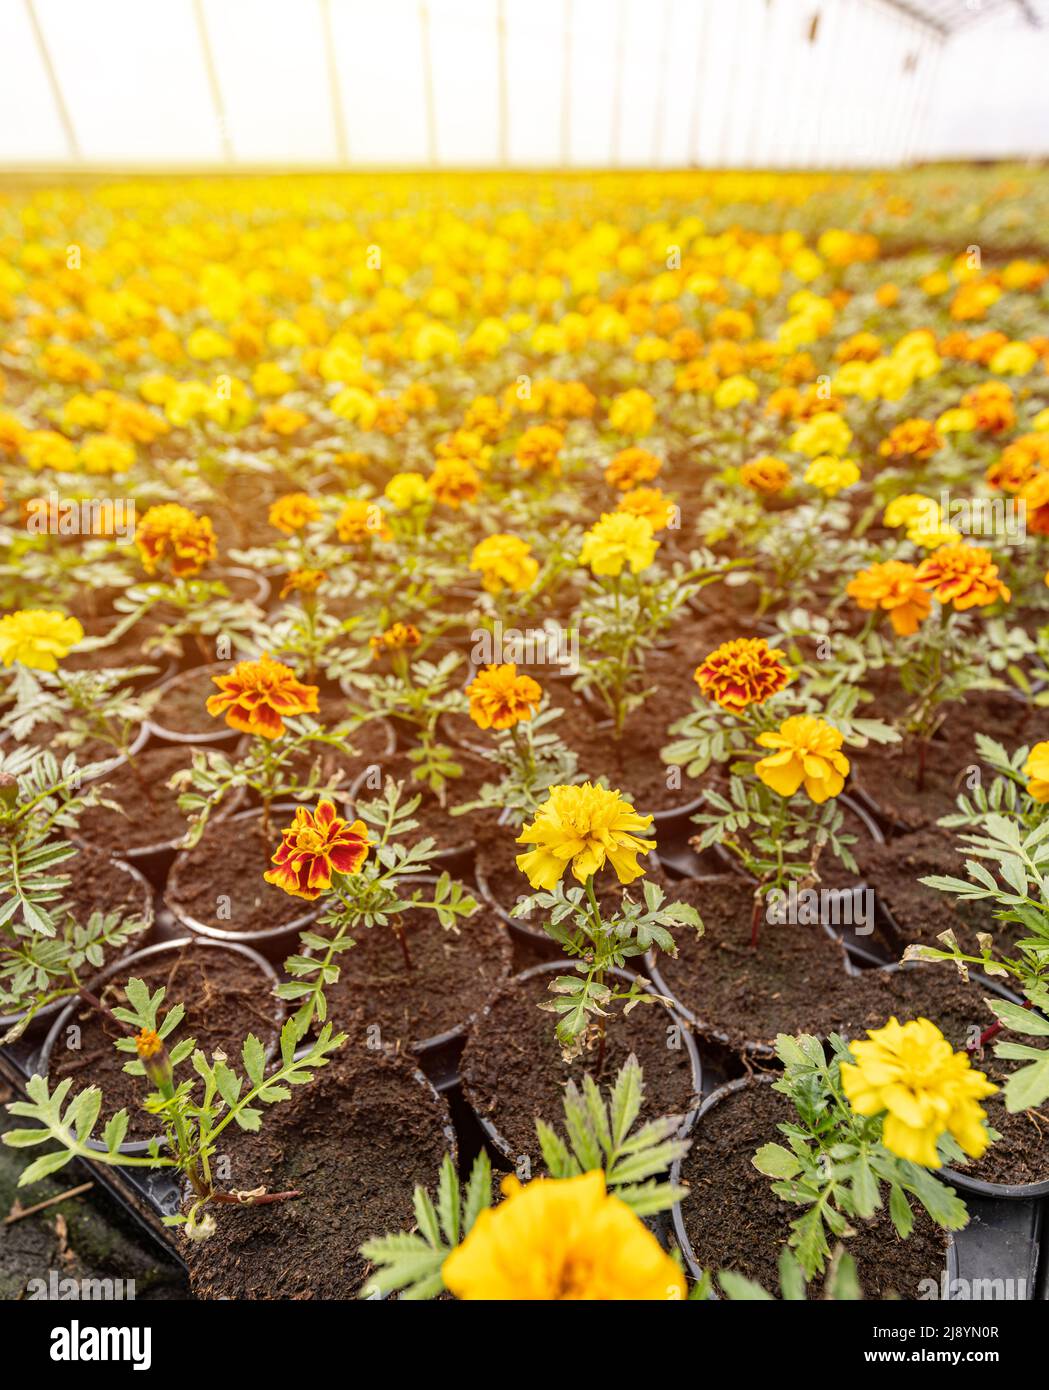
257 696
583 828
397 638
500 698
454 481
807 753
316 846
765 474
745 671
917 439
963 575
910 1073
893 587
293 511
172 537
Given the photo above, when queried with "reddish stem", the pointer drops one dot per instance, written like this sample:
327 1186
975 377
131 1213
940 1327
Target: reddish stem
264 1200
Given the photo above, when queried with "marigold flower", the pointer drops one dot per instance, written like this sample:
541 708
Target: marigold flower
892 586
406 490
632 412
454 481
765 474
561 1240
734 390
825 433
173 536
808 753
304 581
38 638
361 520
917 439
1037 769
650 503
963 575
745 671
632 466
538 450
616 540
282 419
317 845
500 698
911 1073
832 474
148 1043
256 696
504 562
293 511
992 407
1035 496
583 827
394 639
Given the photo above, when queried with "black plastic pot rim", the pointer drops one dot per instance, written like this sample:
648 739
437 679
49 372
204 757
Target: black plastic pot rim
445 857
548 968
212 734
119 967
147 852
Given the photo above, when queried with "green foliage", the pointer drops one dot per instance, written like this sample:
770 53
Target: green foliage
841 1283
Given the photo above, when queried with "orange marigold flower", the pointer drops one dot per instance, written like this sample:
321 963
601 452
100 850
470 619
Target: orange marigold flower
631 467
174 536
1035 496
650 503
304 581
395 639
500 698
317 845
539 449
362 521
746 671
454 481
256 696
964 575
894 587
148 1043
917 439
293 511
766 474
992 407
282 419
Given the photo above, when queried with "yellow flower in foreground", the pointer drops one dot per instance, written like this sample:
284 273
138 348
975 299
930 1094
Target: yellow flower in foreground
925 1088
832 474
616 540
293 511
561 1239
500 698
174 536
1037 769
504 561
808 753
256 696
585 827
37 638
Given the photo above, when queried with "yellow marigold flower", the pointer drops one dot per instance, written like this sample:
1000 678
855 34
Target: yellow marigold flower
585 828
925 1089
733 391
616 540
808 753
923 519
561 1240
632 466
454 481
963 575
317 845
177 538
282 419
270 379
148 1043
293 511
831 475
256 696
205 344
745 671
504 562
48 449
632 412
500 698
650 503
538 450
103 453
765 474
912 439
304 581
38 638
825 433
957 420
1037 769
361 520
395 639
406 490
12 433
892 586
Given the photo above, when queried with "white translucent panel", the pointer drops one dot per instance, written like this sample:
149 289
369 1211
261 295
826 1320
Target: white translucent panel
644 26
270 62
133 79
680 79
536 47
379 57
30 126
992 95
592 82
466 80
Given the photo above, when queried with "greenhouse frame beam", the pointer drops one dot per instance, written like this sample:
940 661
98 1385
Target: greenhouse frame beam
918 15
212 75
66 120
338 115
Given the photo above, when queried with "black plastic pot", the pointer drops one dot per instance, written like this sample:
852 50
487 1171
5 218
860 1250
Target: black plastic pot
210 730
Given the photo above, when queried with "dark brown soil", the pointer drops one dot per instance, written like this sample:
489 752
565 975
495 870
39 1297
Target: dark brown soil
452 974
436 820
126 651
226 998
936 992
98 883
366 746
735 1221
794 982
220 880
355 1143
513 1071
148 821
182 709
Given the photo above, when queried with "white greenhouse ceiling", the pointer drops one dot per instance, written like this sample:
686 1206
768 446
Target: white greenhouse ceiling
579 83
